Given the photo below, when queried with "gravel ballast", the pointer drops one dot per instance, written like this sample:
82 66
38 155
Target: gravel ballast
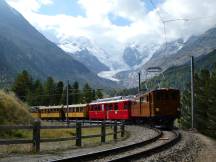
187 150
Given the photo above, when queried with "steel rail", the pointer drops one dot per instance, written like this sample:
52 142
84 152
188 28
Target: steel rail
151 151
104 153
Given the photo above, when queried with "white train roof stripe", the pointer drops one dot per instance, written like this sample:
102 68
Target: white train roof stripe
107 102
61 106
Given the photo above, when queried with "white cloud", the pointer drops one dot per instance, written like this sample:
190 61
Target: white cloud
28 5
145 26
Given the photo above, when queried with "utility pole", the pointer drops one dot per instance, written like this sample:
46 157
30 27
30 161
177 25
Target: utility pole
139 83
139 92
192 92
67 101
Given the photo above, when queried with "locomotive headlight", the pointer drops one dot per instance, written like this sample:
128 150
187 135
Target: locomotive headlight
157 109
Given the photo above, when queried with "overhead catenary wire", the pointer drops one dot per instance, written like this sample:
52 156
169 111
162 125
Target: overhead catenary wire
165 21
49 95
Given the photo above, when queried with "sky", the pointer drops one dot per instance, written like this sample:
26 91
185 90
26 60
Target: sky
113 24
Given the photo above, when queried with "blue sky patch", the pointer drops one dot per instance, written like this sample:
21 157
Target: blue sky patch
117 20
67 7
150 6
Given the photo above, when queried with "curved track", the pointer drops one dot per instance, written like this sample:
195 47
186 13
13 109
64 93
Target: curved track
134 151
168 139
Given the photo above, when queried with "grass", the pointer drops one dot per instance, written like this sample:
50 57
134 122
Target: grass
15 112
12 110
53 147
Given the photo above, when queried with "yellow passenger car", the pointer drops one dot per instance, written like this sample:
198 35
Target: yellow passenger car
51 112
77 111
35 112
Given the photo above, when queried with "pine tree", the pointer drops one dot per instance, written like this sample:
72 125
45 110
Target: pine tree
93 95
76 93
87 93
38 93
185 119
59 91
212 108
70 95
63 97
201 99
22 85
99 94
49 88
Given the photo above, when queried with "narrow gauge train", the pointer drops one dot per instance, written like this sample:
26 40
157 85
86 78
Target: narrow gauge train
78 111
157 105
116 108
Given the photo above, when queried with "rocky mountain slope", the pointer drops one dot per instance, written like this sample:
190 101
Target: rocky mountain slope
84 46
174 54
89 60
23 47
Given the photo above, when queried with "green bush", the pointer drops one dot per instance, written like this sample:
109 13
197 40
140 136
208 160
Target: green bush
13 111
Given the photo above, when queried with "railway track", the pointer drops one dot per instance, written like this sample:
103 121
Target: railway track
168 139
159 142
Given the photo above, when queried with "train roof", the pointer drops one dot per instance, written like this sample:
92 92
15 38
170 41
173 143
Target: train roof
107 102
157 90
165 89
60 106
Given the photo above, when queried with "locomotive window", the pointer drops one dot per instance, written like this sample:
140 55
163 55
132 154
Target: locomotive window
97 107
115 106
107 107
110 106
174 96
126 105
167 96
162 96
92 107
158 96
81 109
147 98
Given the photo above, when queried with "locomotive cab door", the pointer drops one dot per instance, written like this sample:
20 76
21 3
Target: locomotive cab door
150 104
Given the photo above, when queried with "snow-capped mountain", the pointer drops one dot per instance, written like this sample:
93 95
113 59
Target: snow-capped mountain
75 45
89 60
136 55
155 55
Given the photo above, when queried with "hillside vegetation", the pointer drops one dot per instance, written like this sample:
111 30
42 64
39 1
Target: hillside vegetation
12 110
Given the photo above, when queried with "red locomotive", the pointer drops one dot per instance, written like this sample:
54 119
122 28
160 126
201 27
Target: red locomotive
157 105
116 108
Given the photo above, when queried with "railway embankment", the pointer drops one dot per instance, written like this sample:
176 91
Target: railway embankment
193 147
134 134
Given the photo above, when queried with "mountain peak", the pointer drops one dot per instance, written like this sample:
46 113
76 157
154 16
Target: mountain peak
22 47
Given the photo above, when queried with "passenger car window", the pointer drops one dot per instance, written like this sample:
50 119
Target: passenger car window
126 105
98 108
110 106
115 106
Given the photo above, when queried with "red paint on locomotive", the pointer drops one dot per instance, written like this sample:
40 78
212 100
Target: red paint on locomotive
110 110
